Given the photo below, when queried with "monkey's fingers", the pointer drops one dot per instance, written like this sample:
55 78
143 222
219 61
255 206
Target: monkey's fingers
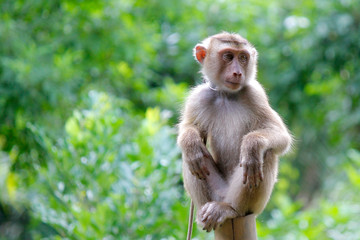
195 169
205 212
261 174
245 174
205 170
196 175
216 221
212 223
199 171
202 168
251 176
208 225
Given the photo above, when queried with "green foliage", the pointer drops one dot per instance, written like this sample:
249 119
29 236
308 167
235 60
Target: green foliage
90 93
333 217
108 177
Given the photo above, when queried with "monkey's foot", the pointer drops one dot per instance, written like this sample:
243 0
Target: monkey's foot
213 214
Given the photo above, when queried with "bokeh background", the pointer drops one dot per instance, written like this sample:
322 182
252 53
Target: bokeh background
90 93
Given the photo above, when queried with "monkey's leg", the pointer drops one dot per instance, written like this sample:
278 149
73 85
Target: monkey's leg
237 202
247 200
203 191
240 199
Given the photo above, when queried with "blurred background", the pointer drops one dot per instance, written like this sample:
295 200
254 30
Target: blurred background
90 93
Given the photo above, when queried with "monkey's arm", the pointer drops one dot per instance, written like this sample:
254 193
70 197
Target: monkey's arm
272 136
194 150
191 137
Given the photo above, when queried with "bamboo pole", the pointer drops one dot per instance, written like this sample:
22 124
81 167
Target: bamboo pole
241 228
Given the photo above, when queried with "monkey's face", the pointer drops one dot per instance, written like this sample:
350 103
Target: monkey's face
228 63
233 65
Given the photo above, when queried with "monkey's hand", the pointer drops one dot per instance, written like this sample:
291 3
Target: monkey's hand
198 161
252 172
251 159
252 151
213 214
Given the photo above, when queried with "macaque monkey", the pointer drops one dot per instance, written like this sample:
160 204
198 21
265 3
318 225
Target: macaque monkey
229 135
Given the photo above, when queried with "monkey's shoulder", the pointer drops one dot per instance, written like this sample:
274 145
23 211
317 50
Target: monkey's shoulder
200 96
201 92
255 94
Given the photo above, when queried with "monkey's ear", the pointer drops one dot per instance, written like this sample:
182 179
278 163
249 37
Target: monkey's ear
199 53
255 53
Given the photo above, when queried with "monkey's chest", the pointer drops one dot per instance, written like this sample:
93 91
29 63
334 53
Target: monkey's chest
225 132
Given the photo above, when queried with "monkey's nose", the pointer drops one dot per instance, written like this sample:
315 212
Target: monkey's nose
237 74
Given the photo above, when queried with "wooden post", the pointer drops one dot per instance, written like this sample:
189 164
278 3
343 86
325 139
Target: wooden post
241 228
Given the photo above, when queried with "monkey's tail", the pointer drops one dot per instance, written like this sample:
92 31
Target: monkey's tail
191 220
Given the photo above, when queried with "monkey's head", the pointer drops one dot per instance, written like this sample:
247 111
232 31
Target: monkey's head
228 61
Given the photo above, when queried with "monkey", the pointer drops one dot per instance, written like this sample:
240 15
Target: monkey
229 135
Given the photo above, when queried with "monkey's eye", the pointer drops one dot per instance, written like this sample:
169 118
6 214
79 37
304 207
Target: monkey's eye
243 58
228 57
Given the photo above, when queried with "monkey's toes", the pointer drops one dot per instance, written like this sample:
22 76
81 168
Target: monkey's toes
199 222
212 222
211 216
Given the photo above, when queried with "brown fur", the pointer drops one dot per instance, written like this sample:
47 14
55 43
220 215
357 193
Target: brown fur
235 173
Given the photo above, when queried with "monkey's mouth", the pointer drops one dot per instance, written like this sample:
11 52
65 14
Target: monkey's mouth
233 83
